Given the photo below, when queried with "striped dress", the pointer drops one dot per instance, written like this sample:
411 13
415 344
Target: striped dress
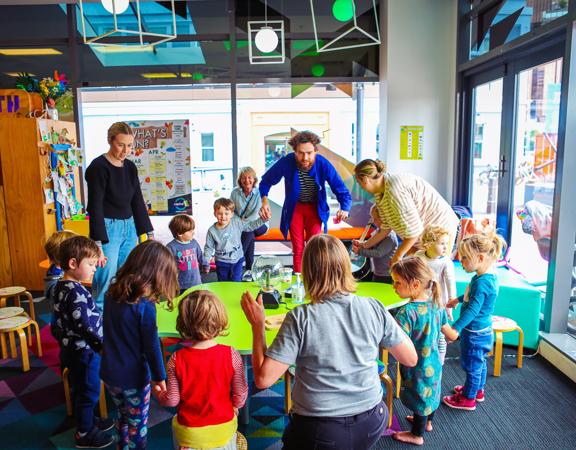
408 204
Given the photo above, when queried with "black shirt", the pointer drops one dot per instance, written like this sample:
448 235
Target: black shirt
114 193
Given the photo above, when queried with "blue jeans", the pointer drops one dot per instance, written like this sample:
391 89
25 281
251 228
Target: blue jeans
228 271
473 350
84 376
248 239
122 239
361 431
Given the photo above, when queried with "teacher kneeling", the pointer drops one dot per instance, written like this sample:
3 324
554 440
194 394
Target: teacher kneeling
334 342
116 207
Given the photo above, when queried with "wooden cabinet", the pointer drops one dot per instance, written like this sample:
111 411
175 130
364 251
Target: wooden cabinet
29 221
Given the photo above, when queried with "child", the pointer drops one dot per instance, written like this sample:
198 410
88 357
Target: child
423 319
478 253
52 248
206 380
436 241
223 240
131 355
77 325
186 250
381 254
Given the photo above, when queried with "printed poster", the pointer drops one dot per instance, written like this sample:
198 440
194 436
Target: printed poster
411 142
162 155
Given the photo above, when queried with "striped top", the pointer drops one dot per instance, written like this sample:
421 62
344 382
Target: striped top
308 188
408 203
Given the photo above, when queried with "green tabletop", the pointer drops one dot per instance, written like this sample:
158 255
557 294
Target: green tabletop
239 333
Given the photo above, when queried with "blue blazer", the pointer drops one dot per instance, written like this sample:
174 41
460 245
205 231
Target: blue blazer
322 171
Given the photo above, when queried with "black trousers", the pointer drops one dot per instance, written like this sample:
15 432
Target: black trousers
359 432
419 424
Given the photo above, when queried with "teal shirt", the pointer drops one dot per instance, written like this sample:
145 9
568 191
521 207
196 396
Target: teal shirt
421 385
476 313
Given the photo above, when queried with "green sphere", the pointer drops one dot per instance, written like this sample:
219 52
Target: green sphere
343 10
318 70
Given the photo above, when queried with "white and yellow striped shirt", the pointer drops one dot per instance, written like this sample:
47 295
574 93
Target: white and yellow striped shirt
409 203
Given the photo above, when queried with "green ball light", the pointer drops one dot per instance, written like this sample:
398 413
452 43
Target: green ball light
343 10
318 70
197 76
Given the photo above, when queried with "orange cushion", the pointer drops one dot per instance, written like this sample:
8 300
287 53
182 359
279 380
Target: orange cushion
344 234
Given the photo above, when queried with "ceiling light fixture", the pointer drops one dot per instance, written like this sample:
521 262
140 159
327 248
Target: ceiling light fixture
117 7
267 36
29 51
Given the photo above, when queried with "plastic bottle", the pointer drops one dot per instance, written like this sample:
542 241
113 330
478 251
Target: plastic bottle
298 290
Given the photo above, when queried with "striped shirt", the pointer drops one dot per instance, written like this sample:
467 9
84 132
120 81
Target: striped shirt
408 203
308 188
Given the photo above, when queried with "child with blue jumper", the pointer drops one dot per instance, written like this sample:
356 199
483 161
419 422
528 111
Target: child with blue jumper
52 248
423 319
436 242
131 355
186 251
77 326
478 253
224 240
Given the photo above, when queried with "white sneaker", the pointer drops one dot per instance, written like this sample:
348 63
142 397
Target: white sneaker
247 276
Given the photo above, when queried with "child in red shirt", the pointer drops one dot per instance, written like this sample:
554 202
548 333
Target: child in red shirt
206 380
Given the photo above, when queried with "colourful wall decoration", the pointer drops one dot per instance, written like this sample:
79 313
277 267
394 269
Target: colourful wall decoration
162 155
411 142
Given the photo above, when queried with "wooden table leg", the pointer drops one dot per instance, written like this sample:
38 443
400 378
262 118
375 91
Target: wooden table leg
287 391
498 354
389 395
38 341
244 413
24 351
520 346
398 379
67 394
12 342
384 359
3 345
102 403
28 295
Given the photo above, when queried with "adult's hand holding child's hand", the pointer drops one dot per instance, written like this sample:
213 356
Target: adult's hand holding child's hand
253 309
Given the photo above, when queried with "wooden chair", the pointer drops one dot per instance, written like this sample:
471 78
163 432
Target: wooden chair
241 442
14 292
384 359
15 326
503 325
68 397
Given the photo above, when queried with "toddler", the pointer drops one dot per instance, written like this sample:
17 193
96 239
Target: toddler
423 319
206 380
52 248
478 253
186 251
131 355
77 326
436 242
224 240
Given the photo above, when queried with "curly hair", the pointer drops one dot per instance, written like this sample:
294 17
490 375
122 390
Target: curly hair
201 316
304 137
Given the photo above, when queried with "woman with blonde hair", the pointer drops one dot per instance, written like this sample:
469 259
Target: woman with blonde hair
247 204
406 204
333 341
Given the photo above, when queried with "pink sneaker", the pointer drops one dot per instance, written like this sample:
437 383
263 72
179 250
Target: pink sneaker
479 394
458 401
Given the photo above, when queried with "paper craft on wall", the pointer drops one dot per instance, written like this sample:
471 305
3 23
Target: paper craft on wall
162 155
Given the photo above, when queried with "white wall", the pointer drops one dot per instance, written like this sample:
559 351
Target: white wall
419 75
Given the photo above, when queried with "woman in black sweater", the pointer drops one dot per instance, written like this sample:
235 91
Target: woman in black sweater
118 214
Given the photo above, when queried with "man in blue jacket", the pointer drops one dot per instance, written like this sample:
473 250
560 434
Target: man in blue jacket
305 207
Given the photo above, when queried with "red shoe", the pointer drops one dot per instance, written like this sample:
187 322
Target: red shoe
479 394
458 401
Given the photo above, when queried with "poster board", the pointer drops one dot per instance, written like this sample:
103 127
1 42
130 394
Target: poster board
162 155
411 142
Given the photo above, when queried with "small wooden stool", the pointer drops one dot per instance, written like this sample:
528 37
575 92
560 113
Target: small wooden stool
68 397
17 325
15 292
503 325
384 359
385 378
241 443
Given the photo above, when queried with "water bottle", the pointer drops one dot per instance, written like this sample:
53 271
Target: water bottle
298 290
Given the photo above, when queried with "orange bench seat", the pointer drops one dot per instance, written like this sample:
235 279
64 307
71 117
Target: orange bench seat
343 233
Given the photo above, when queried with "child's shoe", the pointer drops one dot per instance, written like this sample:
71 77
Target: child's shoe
104 424
247 276
93 439
458 401
479 394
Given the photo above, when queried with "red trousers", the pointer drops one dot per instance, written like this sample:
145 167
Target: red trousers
304 220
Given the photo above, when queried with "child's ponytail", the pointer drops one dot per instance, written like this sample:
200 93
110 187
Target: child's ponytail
489 244
413 268
436 293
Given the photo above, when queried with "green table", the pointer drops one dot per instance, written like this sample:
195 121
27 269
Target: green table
240 333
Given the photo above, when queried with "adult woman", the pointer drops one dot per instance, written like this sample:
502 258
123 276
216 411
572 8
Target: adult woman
334 343
247 203
116 207
406 204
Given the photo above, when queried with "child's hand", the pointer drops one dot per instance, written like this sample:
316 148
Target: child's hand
466 293
206 269
356 245
449 313
253 309
158 388
453 303
235 411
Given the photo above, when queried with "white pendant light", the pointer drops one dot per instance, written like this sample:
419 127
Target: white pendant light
266 40
119 5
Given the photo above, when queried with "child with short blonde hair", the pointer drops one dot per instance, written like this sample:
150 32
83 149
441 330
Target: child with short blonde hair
52 248
478 253
224 240
206 380
436 244
423 319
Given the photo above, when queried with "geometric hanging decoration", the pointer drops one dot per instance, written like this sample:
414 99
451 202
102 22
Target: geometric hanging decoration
117 7
345 11
265 36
